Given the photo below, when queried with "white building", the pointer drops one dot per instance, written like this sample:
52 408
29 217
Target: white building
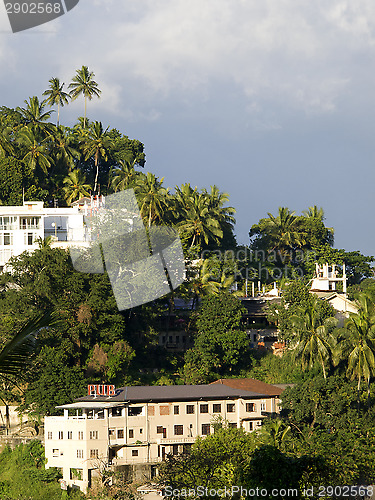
324 285
22 226
140 425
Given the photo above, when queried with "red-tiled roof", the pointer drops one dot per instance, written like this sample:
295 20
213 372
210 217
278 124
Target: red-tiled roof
250 384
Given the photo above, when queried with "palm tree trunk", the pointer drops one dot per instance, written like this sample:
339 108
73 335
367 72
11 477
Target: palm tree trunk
84 118
58 114
97 171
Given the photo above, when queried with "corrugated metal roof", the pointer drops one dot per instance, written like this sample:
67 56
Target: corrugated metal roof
169 393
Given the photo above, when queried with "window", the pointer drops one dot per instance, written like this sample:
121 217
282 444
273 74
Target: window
250 407
112 432
134 453
151 411
80 434
164 410
116 412
70 435
263 406
217 408
159 429
140 431
49 435
120 433
175 449
230 407
190 409
61 435
177 339
203 408
55 452
8 239
176 410
93 434
30 238
250 426
94 453
79 453
178 430
135 410
205 429
131 433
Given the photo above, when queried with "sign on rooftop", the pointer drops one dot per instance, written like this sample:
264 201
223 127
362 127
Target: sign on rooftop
101 390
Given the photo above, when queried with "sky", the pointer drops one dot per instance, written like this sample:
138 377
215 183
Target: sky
271 100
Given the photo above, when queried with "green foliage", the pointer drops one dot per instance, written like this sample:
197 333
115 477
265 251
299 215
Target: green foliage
52 382
220 346
23 475
296 299
326 421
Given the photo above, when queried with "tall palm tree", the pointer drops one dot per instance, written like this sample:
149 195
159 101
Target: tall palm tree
75 186
97 144
153 198
84 84
56 96
358 343
315 342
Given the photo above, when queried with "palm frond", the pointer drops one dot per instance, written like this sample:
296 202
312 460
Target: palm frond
16 353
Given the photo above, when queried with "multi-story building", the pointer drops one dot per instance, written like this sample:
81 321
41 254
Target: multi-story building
21 227
140 425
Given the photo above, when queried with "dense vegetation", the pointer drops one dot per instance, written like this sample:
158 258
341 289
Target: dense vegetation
88 340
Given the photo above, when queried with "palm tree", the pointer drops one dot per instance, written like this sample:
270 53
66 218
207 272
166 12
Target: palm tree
96 145
124 176
6 146
84 83
314 212
318 213
274 433
315 341
64 147
56 96
358 343
35 116
37 153
75 186
153 199
200 221
282 231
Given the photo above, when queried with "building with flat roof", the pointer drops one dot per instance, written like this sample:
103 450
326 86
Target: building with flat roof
21 227
140 425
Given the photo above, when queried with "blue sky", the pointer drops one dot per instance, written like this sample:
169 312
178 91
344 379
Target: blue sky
271 100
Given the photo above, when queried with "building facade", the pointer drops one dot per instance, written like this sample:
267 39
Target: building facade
21 227
141 425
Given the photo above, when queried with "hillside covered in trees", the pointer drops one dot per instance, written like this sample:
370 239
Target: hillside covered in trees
325 429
